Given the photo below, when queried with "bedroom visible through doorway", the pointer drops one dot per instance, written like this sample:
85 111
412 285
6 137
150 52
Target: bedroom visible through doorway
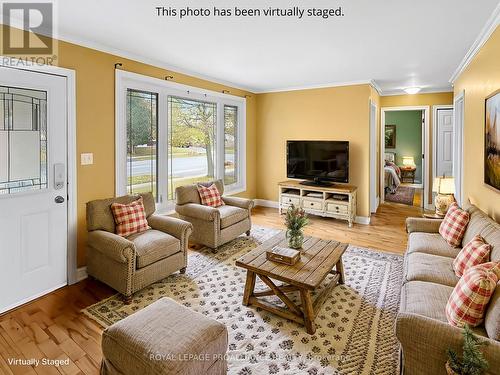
404 139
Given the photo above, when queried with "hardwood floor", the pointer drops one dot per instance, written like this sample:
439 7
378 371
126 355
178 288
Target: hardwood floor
52 326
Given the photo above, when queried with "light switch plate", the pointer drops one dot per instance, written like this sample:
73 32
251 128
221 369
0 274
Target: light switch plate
87 158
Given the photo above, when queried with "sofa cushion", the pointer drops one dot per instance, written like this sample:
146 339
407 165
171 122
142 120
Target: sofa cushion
492 316
430 268
164 338
153 245
426 299
454 224
473 253
430 243
470 297
481 224
230 215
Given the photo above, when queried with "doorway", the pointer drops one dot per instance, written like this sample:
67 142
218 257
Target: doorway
404 146
36 181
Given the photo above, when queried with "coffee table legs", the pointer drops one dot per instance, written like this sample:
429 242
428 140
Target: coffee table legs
340 269
249 287
308 311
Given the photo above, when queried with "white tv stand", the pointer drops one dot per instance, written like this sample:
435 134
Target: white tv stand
338 201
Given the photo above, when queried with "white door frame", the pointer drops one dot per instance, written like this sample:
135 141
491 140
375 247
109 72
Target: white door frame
70 75
425 148
373 159
435 109
458 147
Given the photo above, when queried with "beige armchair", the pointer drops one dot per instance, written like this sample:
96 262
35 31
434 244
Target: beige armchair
132 263
213 227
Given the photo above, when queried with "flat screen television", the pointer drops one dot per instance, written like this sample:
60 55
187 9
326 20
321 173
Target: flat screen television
318 162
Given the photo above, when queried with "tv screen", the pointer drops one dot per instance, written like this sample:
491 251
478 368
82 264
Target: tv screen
320 161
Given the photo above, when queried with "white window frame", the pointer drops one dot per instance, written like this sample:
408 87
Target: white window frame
164 89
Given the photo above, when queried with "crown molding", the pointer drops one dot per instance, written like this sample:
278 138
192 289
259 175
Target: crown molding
66 37
316 86
481 39
375 85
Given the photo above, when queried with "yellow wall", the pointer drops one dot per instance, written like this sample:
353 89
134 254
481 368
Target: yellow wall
336 113
441 98
95 121
480 78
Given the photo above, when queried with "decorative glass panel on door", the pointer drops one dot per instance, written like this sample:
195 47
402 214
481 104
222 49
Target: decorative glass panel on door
230 144
23 140
142 150
191 148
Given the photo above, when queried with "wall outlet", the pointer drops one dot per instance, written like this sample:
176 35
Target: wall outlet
87 159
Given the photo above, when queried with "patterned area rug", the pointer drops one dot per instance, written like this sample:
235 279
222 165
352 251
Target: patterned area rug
355 327
403 194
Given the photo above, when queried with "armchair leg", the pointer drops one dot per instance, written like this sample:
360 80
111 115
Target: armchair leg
248 233
182 270
127 300
214 250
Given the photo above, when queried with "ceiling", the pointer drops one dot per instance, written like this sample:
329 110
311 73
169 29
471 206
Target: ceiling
396 43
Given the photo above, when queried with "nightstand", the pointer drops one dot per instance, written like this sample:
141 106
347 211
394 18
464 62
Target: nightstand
408 174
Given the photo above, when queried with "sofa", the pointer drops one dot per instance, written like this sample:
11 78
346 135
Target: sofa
132 263
428 281
213 226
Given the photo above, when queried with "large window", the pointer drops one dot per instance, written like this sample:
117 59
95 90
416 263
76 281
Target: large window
170 135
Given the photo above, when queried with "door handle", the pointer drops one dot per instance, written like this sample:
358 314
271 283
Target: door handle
59 199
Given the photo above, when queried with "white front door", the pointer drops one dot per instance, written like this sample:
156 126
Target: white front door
444 142
33 185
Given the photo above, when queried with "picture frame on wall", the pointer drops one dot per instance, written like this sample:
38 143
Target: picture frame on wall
390 136
492 140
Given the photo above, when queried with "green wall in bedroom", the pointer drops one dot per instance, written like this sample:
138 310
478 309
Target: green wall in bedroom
408 137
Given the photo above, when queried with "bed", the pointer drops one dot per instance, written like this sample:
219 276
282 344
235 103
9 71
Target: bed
392 173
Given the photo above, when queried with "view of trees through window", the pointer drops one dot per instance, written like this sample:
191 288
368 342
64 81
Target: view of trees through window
191 147
142 129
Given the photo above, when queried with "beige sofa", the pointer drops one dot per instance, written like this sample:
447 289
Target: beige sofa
428 281
132 263
212 226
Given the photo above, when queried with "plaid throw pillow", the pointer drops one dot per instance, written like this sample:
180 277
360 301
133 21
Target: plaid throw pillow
453 227
468 301
130 218
475 252
210 196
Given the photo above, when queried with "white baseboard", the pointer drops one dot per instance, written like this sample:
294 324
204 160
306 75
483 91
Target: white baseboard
266 203
365 220
81 274
273 204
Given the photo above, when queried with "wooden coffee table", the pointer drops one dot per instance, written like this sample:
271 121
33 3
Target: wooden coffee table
318 259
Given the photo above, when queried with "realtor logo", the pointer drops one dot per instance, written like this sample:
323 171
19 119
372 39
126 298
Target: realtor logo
36 19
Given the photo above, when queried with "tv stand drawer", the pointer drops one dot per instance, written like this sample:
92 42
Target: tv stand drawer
313 205
334 207
286 199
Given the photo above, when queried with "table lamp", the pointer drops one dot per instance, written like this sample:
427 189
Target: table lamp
408 161
444 187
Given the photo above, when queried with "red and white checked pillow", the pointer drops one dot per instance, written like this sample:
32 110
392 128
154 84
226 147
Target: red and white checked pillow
454 224
468 301
210 196
130 218
475 252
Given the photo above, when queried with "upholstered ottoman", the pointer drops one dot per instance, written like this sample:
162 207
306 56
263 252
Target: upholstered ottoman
165 338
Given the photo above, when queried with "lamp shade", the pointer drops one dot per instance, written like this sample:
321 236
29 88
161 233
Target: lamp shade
408 161
444 185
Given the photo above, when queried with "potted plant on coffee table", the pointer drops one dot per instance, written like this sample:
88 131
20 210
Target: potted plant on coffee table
472 361
295 220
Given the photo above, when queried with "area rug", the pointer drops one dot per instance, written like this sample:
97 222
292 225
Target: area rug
403 195
354 328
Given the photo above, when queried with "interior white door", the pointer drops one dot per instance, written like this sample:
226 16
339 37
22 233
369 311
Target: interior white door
33 185
444 142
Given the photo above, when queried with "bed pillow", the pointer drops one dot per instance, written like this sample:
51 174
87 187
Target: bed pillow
475 252
454 224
